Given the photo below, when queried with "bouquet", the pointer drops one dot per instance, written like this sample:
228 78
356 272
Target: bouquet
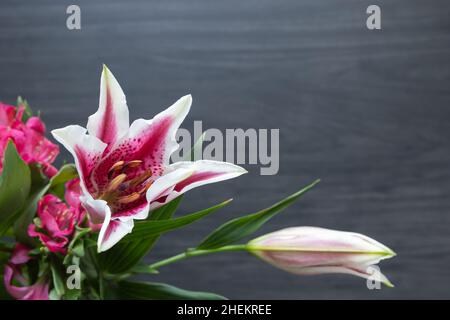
82 230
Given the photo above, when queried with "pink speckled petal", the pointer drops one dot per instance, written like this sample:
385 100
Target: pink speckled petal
111 121
86 150
203 172
151 141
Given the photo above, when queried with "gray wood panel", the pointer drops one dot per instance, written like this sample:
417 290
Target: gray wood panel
366 111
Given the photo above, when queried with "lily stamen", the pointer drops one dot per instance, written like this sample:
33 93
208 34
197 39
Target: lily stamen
115 168
141 178
132 164
116 182
146 186
129 198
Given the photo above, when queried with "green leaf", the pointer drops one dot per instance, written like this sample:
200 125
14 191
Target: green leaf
161 291
151 228
237 229
4 257
73 294
65 174
24 103
4 295
58 282
78 250
15 185
125 255
5 245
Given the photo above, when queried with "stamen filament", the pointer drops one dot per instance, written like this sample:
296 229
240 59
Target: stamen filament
116 182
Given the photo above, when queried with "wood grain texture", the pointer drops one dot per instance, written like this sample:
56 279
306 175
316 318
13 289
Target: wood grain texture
366 111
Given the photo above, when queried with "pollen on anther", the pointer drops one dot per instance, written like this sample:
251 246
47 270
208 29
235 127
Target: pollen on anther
116 182
130 198
133 163
115 167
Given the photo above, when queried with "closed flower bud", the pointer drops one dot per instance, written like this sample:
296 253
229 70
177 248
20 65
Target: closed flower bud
311 250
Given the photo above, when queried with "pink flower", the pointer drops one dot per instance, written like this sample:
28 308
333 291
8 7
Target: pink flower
311 250
73 192
125 169
28 137
15 274
58 219
7 114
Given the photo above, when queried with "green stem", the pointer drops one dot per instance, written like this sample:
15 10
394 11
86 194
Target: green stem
195 253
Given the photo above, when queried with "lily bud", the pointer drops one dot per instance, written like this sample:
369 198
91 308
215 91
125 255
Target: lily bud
311 250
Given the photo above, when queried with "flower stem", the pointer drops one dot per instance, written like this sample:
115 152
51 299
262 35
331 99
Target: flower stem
194 253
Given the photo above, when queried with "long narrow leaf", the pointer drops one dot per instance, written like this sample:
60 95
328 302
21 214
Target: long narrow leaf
151 228
15 184
237 229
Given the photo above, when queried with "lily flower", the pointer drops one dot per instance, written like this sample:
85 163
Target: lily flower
311 250
124 169
17 281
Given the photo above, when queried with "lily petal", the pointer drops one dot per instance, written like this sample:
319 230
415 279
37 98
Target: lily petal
166 183
97 209
203 172
370 272
111 121
85 149
151 141
112 231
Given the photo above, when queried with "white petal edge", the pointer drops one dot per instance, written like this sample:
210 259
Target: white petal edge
178 112
75 135
166 182
371 273
96 209
225 171
122 229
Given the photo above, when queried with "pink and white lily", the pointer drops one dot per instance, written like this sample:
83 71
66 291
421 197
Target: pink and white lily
125 169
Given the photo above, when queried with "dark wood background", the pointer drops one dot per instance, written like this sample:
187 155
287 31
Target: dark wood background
366 111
